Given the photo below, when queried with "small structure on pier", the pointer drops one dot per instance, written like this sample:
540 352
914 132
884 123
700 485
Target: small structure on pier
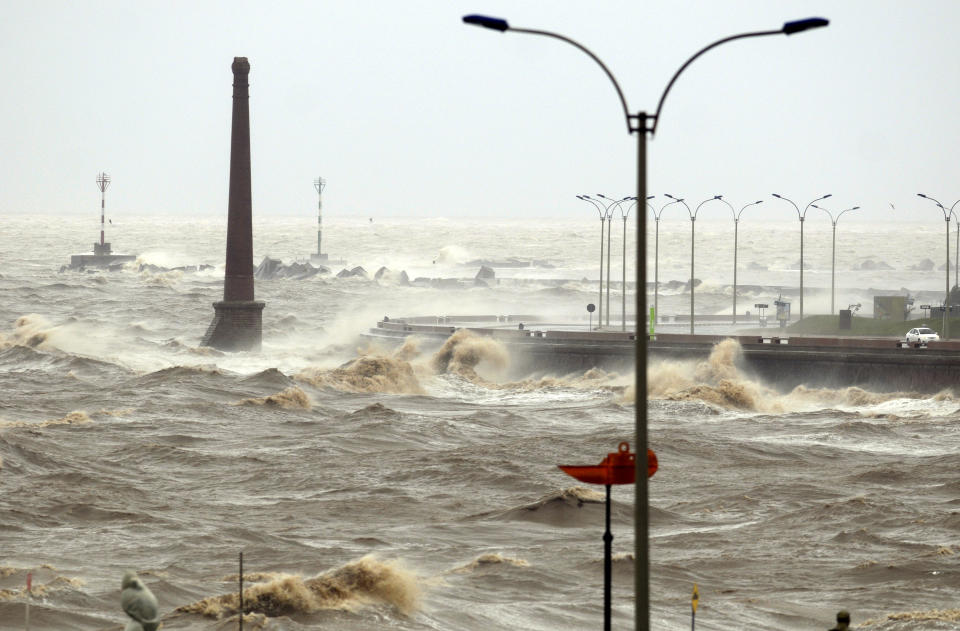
102 255
320 257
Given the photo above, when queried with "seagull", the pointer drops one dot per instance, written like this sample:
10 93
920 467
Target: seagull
139 603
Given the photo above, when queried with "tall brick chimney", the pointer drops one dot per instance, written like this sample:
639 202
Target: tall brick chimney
238 319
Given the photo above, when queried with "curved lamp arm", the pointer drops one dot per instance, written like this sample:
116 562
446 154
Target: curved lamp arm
596 205
786 199
788 29
680 200
846 211
499 24
720 198
946 213
759 201
693 217
664 207
814 201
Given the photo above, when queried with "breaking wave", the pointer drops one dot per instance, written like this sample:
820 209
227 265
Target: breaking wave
292 398
73 418
30 330
490 560
366 374
362 582
716 381
574 506
464 350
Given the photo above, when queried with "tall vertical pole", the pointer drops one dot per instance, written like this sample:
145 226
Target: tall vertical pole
103 181
241 591
736 226
656 271
956 258
641 508
623 307
603 220
801 266
946 300
693 222
609 270
607 565
833 269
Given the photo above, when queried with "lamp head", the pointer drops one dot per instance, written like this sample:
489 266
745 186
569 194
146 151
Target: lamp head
671 197
485 21
650 196
827 195
923 196
777 196
718 196
797 26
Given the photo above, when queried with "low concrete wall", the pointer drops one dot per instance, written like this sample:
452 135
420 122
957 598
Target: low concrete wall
877 364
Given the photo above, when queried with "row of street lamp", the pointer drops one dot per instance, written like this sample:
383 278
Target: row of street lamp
606 206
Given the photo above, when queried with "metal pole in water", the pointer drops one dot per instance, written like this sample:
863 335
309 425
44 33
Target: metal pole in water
26 619
607 566
241 591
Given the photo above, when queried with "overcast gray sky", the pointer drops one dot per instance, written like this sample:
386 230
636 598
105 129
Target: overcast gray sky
407 111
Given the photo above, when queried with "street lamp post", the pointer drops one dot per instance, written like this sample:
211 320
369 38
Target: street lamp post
641 124
613 203
736 224
833 257
801 216
693 222
946 300
656 257
603 219
623 283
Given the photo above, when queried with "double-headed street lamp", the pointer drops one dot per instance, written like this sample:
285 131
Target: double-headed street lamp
623 283
641 124
946 300
801 216
736 224
693 220
833 257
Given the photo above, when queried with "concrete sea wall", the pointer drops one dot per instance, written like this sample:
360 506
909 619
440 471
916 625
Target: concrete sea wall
878 364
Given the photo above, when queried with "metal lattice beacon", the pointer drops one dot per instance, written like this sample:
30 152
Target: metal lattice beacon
238 319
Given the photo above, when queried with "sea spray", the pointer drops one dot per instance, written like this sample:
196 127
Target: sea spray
29 330
716 381
464 350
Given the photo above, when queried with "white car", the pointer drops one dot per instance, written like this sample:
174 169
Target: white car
923 335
